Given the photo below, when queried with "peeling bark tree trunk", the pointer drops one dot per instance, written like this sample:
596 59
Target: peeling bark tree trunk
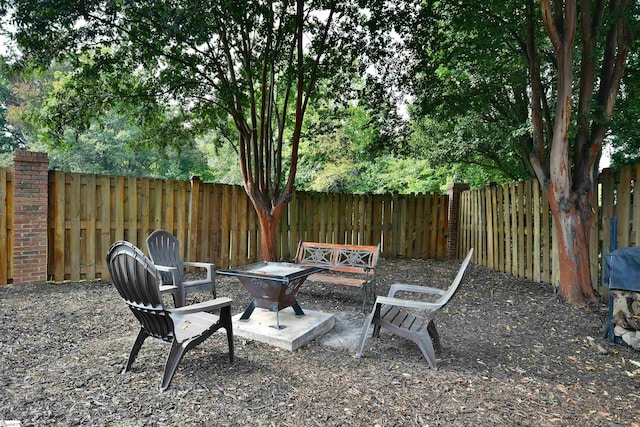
573 234
267 250
566 169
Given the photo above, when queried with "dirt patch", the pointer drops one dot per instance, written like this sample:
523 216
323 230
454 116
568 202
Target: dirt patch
513 355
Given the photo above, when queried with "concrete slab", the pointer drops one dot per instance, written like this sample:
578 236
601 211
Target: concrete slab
298 331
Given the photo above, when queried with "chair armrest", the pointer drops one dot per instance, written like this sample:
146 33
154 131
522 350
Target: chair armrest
164 268
174 276
207 266
414 288
398 302
203 306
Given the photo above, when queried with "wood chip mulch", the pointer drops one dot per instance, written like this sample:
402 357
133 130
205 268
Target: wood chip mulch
513 354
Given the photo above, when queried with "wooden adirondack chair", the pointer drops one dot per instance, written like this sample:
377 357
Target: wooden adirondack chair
399 316
164 249
137 280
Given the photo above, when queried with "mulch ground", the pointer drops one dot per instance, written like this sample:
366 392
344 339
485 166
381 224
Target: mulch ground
513 355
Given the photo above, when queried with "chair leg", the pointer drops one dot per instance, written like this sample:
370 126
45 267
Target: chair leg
364 335
225 319
435 337
375 312
142 335
424 342
175 355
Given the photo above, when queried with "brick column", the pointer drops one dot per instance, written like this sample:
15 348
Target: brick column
453 191
30 209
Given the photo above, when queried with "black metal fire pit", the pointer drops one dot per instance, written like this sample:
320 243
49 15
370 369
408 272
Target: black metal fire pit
273 285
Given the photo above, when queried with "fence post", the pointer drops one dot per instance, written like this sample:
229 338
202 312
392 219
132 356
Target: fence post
191 251
30 209
453 215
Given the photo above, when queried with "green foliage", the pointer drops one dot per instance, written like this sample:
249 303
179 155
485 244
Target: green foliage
12 130
343 152
113 148
625 123
470 82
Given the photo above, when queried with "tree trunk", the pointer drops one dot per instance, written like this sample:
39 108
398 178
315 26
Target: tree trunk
573 230
268 219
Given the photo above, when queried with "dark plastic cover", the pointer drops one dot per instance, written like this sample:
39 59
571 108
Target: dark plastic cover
623 269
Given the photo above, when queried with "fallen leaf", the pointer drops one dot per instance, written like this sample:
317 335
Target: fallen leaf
591 368
572 358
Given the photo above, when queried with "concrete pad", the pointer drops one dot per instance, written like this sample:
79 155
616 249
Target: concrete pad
346 334
297 331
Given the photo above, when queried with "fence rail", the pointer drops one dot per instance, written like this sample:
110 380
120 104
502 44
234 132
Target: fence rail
511 228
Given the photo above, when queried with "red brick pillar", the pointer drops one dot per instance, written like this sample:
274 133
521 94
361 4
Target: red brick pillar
30 208
453 191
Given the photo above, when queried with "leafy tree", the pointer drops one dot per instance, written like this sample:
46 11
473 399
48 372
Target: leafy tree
471 87
246 69
355 149
546 80
625 123
13 134
113 147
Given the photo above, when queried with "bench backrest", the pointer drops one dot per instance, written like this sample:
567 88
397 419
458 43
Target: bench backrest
344 258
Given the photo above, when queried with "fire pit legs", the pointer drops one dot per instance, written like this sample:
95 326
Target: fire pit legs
272 285
247 313
252 305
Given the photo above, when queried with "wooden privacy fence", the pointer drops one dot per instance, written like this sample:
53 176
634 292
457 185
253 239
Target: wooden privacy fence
6 224
216 222
213 222
511 227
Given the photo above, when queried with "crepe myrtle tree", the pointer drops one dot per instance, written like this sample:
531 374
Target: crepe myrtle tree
246 69
590 43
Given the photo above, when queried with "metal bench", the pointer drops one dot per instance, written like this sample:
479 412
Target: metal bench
355 264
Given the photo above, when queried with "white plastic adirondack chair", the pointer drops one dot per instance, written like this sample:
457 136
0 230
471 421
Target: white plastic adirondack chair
396 315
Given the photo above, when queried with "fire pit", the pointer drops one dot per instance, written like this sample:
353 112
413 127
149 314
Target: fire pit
273 285
622 277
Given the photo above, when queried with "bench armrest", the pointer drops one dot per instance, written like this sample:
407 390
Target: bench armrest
207 266
398 302
203 306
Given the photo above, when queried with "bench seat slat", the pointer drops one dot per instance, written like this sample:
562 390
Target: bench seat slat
339 280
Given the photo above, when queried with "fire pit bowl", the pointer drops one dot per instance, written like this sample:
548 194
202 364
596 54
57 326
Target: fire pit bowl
273 285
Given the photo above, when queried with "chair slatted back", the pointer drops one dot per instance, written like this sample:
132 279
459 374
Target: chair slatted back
137 281
456 283
164 249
